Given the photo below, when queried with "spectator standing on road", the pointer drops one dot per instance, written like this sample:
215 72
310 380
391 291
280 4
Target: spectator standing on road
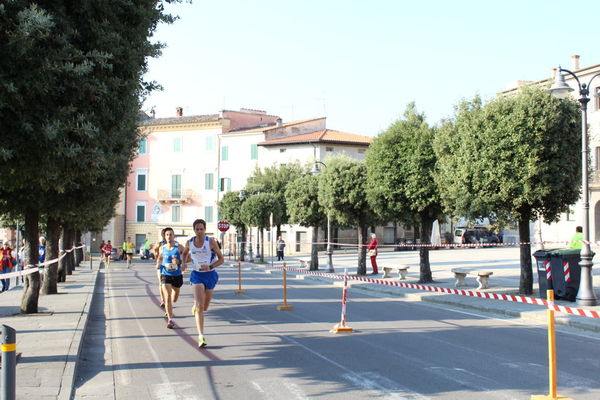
169 262
8 263
280 248
576 240
129 249
202 250
372 247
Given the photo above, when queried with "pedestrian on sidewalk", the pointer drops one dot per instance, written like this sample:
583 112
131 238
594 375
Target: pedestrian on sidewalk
170 262
576 240
280 248
205 255
372 247
8 263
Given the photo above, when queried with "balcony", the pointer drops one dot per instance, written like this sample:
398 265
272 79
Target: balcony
175 196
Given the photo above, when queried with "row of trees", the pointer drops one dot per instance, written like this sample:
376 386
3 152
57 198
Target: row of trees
513 159
71 89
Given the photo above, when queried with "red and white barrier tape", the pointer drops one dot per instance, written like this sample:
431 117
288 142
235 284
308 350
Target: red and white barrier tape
448 245
494 296
32 268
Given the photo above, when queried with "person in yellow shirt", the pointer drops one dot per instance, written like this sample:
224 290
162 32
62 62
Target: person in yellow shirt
129 249
576 240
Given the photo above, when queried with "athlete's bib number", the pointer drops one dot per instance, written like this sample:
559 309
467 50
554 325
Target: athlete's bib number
171 267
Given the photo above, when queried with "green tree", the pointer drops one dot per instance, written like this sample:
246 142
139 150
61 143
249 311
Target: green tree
230 207
302 201
274 180
256 211
342 193
516 157
400 186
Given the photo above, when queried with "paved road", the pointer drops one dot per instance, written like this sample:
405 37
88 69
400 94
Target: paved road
400 350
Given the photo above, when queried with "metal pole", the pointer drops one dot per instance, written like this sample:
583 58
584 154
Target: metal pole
329 247
9 363
585 295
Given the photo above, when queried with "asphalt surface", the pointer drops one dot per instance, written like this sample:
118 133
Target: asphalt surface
104 336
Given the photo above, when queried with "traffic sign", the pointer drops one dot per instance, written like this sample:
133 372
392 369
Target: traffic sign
223 226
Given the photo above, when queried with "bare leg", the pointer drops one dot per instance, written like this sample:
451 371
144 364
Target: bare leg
175 295
167 289
162 298
199 300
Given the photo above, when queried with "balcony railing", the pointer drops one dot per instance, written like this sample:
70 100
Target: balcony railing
175 196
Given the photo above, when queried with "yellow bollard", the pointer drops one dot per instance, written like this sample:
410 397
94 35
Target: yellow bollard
551 356
285 305
240 291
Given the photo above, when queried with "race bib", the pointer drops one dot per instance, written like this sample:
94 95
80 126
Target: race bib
171 267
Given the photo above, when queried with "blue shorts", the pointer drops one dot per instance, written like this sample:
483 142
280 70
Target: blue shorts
209 278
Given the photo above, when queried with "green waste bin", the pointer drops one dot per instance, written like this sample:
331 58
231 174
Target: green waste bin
566 273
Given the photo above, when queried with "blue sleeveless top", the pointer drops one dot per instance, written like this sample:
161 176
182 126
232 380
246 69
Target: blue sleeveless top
166 267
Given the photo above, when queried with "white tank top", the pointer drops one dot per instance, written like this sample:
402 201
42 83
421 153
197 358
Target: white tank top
200 255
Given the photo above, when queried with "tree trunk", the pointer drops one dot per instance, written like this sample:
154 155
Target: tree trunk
242 255
262 245
31 290
526 281
424 266
362 249
62 264
314 249
49 285
79 252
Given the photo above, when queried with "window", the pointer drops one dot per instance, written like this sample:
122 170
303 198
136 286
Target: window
141 177
175 186
210 143
208 181
208 214
142 146
328 148
176 213
597 98
282 150
361 151
140 211
224 153
177 145
225 185
597 158
254 152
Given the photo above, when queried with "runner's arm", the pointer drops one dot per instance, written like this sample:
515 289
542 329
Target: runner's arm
215 248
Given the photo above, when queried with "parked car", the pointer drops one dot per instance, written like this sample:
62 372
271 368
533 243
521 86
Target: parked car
477 235
114 254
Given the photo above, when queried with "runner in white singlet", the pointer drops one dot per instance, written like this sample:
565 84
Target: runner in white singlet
200 250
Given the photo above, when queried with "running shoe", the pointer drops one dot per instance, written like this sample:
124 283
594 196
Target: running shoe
170 324
202 342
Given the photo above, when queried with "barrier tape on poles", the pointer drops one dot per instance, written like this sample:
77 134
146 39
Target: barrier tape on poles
33 268
484 295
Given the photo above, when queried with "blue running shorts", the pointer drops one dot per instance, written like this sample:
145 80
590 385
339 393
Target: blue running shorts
209 278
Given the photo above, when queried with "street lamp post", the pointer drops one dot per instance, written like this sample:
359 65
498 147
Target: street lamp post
560 89
316 171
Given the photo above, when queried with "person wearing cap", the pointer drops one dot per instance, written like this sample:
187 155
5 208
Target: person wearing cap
7 264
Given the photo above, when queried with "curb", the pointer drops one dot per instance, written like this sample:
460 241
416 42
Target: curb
67 382
524 312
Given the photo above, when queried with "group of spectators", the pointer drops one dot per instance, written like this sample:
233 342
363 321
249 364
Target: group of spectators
13 262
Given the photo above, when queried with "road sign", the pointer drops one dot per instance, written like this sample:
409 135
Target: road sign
223 226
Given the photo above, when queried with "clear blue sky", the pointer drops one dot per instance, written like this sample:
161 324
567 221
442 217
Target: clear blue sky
360 62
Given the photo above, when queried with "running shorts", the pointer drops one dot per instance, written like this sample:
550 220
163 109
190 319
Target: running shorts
208 278
175 281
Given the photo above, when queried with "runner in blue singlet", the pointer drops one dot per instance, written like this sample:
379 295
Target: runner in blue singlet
171 277
201 251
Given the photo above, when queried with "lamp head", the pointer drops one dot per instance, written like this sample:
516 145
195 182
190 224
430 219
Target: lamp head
315 170
559 88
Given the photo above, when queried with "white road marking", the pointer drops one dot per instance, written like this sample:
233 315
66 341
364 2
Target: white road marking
375 382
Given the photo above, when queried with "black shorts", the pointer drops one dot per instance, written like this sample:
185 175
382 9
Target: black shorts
175 281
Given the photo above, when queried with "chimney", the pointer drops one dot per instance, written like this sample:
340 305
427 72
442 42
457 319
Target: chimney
553 73
279 122
153 113
179 112
574 62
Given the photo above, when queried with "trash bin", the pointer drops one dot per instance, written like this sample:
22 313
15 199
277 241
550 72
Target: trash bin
543 261
566 273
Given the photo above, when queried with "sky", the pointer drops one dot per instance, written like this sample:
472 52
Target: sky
360 62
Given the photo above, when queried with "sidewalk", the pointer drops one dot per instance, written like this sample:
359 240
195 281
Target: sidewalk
504 281
49 342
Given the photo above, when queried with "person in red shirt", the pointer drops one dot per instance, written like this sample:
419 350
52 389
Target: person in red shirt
7 265
372 247
106 251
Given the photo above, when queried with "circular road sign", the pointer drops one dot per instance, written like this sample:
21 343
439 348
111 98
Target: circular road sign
223 226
